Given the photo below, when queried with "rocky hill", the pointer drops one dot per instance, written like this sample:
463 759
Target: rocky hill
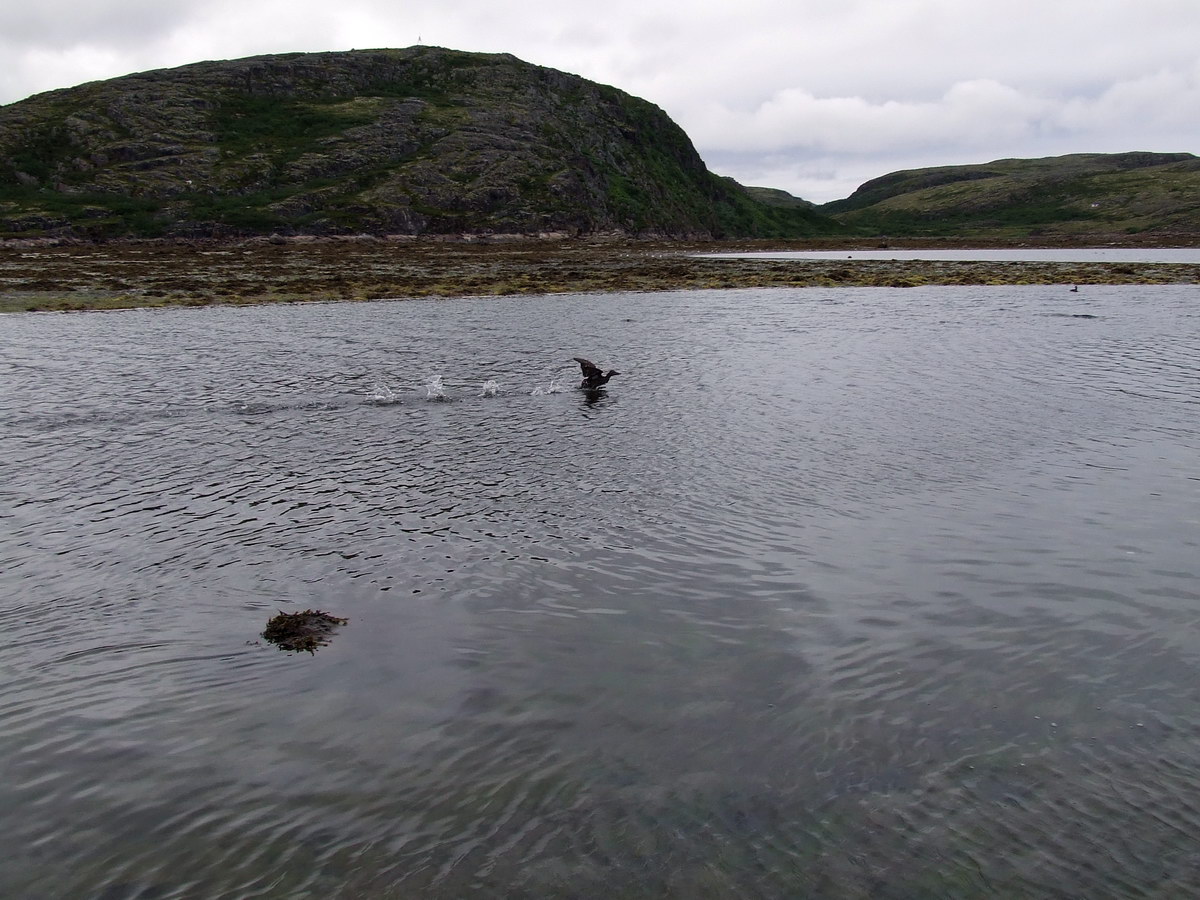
415 141
1080 194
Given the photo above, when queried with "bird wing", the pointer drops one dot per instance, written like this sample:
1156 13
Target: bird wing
589 368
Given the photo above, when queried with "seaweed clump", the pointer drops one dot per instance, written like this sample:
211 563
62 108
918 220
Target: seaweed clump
308 630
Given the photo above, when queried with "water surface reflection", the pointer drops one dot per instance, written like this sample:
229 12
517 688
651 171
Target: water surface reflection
875 593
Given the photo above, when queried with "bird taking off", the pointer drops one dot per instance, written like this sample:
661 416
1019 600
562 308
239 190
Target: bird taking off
592 376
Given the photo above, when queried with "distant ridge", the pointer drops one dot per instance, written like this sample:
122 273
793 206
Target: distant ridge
422 140
1082 193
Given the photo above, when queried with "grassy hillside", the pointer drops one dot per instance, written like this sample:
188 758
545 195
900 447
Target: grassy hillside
1121 193
416 141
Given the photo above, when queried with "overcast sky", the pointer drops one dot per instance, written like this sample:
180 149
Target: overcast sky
812 96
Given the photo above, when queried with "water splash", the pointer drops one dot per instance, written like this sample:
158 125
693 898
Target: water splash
554 387
435 390
490 388
382 395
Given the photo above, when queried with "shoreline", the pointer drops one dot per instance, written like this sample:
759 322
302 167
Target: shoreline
69 276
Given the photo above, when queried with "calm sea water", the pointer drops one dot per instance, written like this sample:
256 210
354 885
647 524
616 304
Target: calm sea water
855 593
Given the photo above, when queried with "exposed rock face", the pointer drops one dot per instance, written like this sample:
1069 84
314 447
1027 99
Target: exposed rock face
413 141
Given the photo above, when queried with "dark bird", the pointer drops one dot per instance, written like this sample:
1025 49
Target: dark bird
1075 289
592 376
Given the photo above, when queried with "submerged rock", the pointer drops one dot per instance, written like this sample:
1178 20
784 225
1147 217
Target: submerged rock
308 630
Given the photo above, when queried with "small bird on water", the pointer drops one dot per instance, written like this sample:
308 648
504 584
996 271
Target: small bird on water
592 376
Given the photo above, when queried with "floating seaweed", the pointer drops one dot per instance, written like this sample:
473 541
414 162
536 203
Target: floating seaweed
308 630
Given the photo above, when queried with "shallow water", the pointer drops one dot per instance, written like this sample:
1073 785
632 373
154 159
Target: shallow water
1015 254
856 593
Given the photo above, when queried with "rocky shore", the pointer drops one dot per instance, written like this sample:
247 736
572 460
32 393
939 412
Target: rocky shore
36 276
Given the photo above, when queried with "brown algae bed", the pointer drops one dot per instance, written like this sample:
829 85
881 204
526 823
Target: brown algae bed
297 632
118 275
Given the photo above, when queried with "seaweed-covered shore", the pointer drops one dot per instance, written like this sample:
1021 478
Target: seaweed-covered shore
78 276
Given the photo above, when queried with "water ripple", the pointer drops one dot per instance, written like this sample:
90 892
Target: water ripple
888 596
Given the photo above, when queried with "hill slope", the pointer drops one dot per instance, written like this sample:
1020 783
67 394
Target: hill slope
1086 193
413 141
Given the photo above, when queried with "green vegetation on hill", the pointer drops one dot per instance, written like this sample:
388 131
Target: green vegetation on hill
416 141
1086 193
426 140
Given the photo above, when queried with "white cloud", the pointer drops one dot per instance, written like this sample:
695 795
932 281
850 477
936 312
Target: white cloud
970 113
58 24
1156 101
